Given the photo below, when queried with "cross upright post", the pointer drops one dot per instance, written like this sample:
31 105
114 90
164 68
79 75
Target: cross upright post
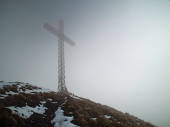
61 63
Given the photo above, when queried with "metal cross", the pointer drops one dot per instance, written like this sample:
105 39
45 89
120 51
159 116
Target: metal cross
61 63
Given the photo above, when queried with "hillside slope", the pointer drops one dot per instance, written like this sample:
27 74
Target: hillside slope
26 105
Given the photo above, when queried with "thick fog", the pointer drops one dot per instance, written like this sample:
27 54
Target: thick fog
121 57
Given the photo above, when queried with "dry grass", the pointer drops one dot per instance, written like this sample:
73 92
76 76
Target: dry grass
83 110
7 119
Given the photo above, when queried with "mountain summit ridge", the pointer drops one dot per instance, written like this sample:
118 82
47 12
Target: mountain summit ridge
26 105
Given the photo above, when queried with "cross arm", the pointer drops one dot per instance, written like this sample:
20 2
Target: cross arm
51 29
69 41
57 33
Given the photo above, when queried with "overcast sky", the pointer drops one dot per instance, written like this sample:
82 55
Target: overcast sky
121 57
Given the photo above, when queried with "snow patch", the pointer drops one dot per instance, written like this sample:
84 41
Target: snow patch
62 121
93 118
49 99
75 97
21 85
107 116
27 111
3 96
53 102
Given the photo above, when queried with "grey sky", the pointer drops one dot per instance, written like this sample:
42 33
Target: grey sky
121 57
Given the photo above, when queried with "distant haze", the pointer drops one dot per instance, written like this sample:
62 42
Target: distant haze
121 57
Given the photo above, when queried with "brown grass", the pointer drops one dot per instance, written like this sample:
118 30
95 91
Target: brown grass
7 119
82 110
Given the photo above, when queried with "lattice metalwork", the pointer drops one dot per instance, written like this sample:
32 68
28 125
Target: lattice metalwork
61 63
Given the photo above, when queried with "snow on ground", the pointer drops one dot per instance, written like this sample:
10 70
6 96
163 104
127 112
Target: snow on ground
20 85
62 121
27 111
93 118
49 99
107 116
53 102
75 97
3 96
4 83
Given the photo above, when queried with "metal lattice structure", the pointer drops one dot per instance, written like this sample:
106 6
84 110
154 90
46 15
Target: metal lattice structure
61 63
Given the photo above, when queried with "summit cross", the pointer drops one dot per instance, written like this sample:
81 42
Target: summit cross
61 63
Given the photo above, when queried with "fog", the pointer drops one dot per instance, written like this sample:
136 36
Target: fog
121 57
